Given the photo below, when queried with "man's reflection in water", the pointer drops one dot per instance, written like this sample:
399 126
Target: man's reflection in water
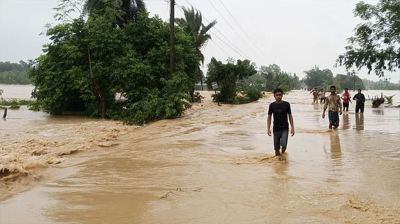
281 167
335 165
346 124
360 122
336 150
378 111
316 106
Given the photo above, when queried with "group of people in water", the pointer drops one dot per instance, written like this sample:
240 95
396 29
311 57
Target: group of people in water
337 104
281 112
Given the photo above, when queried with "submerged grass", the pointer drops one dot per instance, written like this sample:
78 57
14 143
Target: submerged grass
15 104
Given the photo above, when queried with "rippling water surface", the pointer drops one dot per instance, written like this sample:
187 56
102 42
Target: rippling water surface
215 165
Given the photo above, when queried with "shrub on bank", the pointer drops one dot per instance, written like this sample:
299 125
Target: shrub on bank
227 77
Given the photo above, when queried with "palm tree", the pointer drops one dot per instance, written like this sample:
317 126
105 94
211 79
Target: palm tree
132 8
193 25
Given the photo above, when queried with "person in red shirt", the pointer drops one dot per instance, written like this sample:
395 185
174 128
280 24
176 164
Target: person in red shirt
346 99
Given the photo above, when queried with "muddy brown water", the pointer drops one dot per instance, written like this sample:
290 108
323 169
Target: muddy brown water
214 165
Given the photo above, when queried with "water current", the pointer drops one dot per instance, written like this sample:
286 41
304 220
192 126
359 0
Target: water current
213 165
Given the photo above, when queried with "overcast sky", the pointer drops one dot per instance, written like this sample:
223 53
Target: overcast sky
295 34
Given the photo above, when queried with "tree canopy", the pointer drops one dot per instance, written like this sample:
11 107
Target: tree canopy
375 43
322 79
226 76
130 8
315 77
273 77
90 62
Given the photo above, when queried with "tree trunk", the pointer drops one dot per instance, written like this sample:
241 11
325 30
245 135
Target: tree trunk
96 89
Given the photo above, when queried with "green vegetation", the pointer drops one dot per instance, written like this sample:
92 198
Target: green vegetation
193 25
315 77
129 9
91 60
273 77
241 83
14 73
376 43
381 85
389 99
13 103
226 76
350 81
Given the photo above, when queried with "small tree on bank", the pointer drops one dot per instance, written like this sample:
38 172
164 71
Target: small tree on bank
227 76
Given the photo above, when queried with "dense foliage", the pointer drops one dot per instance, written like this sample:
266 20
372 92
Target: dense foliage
131 9
315 77
376 41
273 77
226 76
14 73
350 81
89 62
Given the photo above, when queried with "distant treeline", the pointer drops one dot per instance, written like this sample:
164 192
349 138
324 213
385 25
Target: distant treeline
14 73
315 77
381 84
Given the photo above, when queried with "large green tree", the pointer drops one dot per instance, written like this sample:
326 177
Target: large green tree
90 62
227 76
274 77
192 24
315 77
376 41
350 81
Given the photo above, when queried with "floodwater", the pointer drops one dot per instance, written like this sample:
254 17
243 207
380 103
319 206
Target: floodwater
213 165
17 91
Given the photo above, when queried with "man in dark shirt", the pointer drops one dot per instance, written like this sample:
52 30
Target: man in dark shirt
360 98
281 111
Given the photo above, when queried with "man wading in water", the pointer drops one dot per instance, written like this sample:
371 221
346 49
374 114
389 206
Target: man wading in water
360 101
335 108
280 109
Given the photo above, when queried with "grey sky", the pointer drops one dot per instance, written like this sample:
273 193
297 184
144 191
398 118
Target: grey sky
295 34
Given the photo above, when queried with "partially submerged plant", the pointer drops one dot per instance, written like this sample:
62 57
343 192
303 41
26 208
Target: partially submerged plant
389 99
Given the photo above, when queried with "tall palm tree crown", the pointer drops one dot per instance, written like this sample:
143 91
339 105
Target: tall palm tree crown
192 23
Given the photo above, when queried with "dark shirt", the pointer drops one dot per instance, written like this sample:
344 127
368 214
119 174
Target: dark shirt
280 112
360 98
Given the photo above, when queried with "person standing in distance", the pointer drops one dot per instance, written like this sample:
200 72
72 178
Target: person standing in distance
335 107
360 98
346 99
281 111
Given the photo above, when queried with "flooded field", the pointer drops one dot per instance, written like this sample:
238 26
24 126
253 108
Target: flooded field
213 165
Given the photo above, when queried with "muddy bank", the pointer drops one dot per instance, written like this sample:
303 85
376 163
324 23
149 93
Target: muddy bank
215 165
